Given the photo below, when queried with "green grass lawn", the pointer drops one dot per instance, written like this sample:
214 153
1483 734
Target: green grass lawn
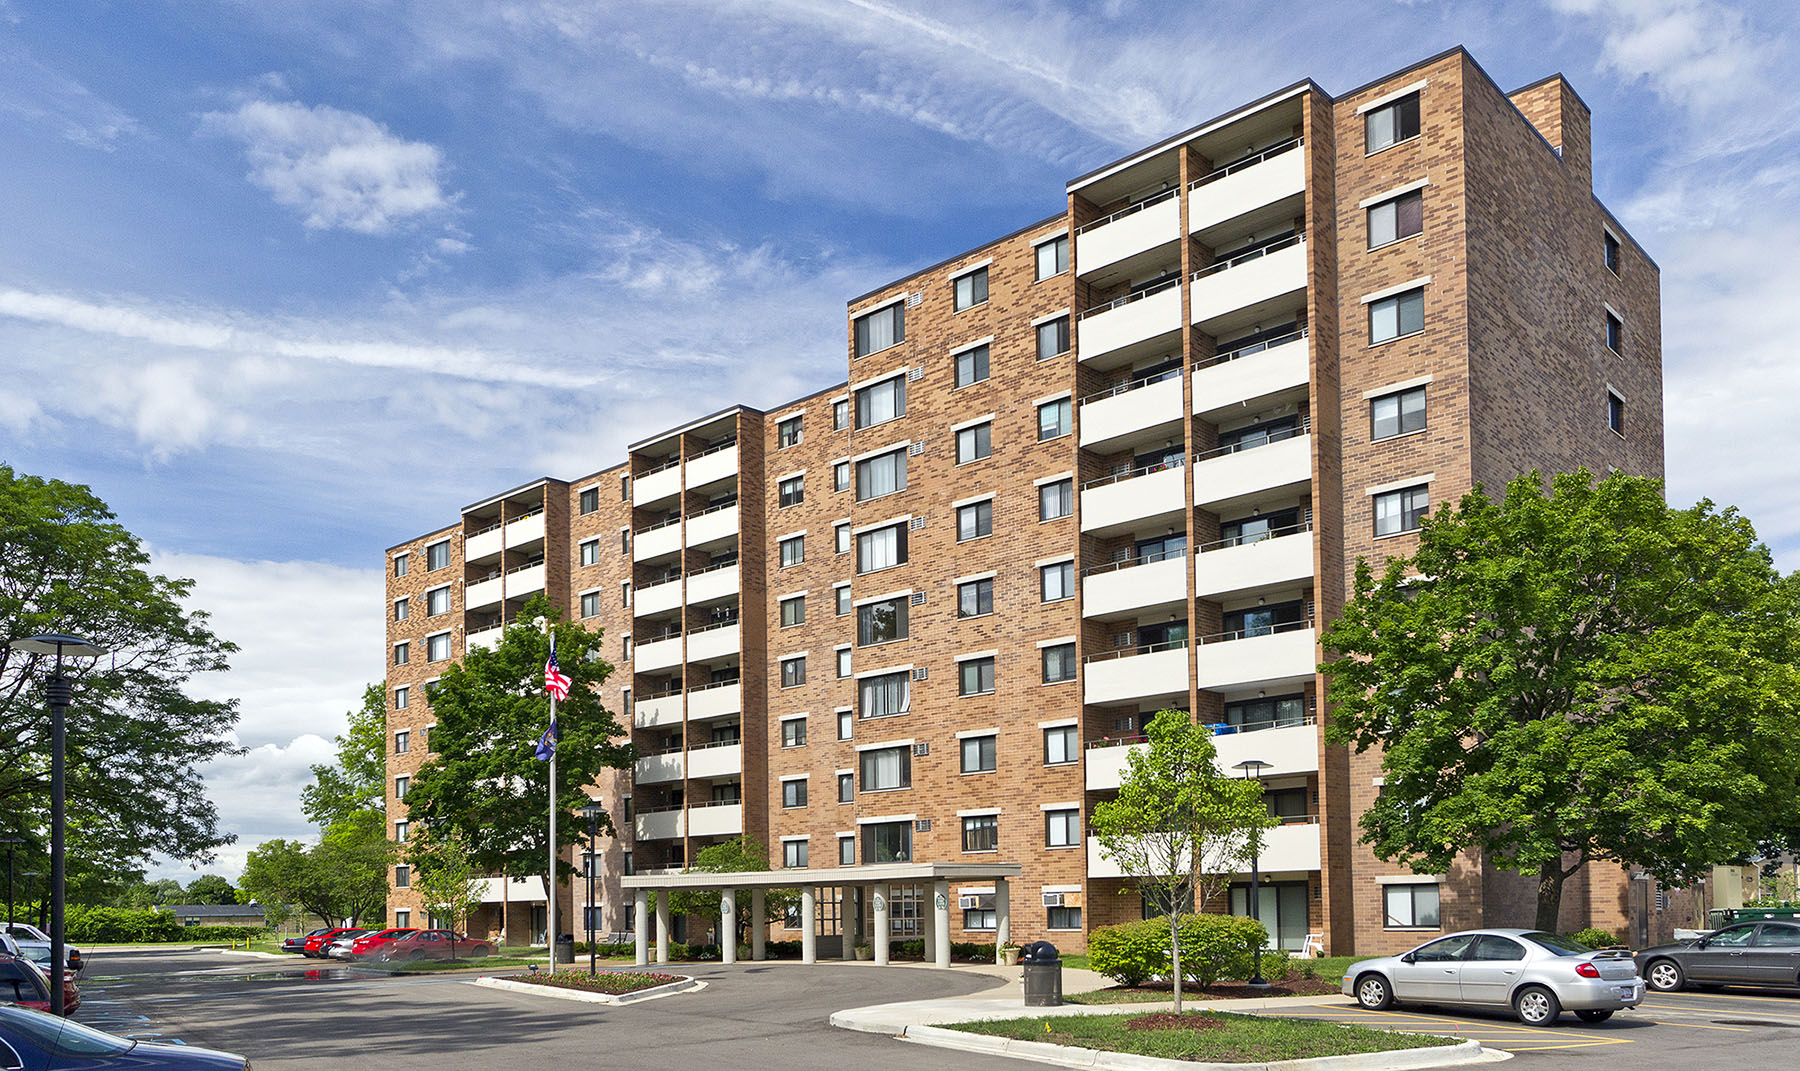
1241 1038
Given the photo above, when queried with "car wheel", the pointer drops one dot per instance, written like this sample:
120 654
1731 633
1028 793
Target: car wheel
1594 1015
1665 976
477 953
1372 992
1536 1006
415 956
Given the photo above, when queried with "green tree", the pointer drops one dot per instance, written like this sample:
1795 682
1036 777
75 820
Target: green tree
1180 826
285 871
483 783
136 738
737 855
445 880
343 877
357 782
211 889
1584 674
143 895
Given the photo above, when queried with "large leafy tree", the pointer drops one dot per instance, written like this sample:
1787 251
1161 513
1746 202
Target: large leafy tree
1574 675
445 880
735 856
484 784
136 737
357 781
211 889
341 878
1180 826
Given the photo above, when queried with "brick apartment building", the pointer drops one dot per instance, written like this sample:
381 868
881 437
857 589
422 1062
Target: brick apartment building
1119 460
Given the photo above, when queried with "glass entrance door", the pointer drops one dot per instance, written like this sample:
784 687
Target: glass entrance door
1282 909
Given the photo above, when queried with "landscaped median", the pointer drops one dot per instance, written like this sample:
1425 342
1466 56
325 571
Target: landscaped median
605 987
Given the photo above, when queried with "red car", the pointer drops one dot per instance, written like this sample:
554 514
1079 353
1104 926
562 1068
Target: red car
437 944
317 941
25 983
374 943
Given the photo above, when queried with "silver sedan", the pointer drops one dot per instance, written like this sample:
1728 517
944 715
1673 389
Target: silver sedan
1536 974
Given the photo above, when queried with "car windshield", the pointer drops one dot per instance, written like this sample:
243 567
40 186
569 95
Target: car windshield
36 953
1557 946
62 1035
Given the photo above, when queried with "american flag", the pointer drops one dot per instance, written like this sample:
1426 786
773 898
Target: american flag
556 682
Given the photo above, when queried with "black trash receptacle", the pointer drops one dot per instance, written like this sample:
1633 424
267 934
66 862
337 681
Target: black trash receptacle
565 949
1043 974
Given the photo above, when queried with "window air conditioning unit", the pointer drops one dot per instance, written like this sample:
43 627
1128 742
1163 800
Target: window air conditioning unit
1053 899
913 375
968 903
922 748
916 523
918 598
921 825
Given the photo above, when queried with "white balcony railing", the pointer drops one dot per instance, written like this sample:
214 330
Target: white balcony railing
1246 185
660 825
656 485
1229 568
657 598
658 712
525 530
1251 278
1135 584
1277 465
1130 232
484 638
716 819
1287 848
711 584
712 525
483 593
1238 377
1239 660
656 540
713 465
1134 323
647 657
1287 749
652 769
1130 497
1121 414
483 544
707 644
715 701
715 760
1136 673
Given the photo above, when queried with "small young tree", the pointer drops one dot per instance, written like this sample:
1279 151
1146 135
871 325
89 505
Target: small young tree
738 855
445 880
1180 826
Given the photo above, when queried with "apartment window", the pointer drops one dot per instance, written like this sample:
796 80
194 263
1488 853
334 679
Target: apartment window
1400 511
846 786
1055 419
840 537
625 702
891 842
793 550
590 604
437 601
401 784
1057 582
975 598
1059 663
1060 745
974 444
881 622
402 607
1397 316
590 552
624 541
1391 123
1611 252
883 548
884 695
402 697
1052 257
403 877
971 366
793 672
843 600
878 330
401 563
978 754
1056 500
793 854
975 676
1402 217
437 648
1053 338
887 768
1409 906
1615 333
627 866
1062 828
881 475
793 793
881 402
846 849
1063 918
400 831
589 501
981 833
788 432
1400 413
974 521
402 742
840 476
840 414
437 556
624 489
402 918
971 289
793 611
625 593
845 724
843 662
1615 412
792 491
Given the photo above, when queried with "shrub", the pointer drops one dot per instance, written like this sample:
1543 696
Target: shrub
113 925
1594 937
1212 947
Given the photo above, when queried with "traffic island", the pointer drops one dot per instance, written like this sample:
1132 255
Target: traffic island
605 987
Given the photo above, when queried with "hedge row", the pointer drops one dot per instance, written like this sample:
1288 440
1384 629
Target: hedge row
112 925
1213 947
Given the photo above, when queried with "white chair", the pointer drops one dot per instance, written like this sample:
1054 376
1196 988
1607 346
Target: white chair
1313 947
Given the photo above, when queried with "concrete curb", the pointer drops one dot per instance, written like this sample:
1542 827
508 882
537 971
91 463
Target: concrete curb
1466 1052
685 985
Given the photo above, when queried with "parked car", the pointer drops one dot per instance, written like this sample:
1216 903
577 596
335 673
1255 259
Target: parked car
1534 973
24 982
339 946
297 943
436 944
42 1042
1763 952
38 952
317 943
24 932
373 944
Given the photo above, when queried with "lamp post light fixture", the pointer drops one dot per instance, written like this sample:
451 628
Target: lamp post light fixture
59 692
592 813
1253 768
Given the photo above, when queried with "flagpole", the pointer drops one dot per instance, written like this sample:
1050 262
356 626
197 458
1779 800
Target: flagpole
550 889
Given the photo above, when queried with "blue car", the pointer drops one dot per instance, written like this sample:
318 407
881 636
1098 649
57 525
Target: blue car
38 1041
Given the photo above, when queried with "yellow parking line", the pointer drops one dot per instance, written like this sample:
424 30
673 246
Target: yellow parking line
1495 1034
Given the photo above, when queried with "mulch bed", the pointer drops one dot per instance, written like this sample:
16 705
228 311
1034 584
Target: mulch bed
1171 1021
616 983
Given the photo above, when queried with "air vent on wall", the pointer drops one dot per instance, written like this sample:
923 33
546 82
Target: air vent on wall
913 301
915 449
922 748
918 598
916 523
920 673
1122 639
921 825
913 375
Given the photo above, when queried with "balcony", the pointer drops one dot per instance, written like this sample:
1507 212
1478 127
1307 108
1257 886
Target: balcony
657 711
1286 848
1127 238
656 540
648 656
1238 377
713 465
712 583
1133 586
1137 674
482 545
1287 656
1131 412
715 525
1246 185
715 760
1137 324
1115 503
1224 478
716 819
716 701
1287 749
1249 281
652 769
661 825
658 598
1233 567
657 484
714 641
523 580
486 638
483 594
524 531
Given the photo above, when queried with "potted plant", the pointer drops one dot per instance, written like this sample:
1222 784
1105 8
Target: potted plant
1009 954
865 952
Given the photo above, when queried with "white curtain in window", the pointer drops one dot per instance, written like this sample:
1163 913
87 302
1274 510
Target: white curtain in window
885 695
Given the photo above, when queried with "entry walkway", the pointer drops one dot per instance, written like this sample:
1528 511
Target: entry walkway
862 885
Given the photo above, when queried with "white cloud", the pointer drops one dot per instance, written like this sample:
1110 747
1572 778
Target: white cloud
340 168
1698 54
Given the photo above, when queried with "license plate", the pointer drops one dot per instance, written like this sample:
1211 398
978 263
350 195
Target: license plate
1627 991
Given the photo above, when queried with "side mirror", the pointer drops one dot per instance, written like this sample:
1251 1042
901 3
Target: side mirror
1409 958
1701 943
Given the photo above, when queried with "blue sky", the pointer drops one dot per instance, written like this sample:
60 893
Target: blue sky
288 281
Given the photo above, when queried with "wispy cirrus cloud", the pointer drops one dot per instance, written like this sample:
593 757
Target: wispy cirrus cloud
33 92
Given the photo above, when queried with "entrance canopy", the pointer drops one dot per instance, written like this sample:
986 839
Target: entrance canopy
794 878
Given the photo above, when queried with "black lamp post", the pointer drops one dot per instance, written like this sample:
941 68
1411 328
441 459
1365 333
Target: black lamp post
592 813
1253 768
10 842
59 692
